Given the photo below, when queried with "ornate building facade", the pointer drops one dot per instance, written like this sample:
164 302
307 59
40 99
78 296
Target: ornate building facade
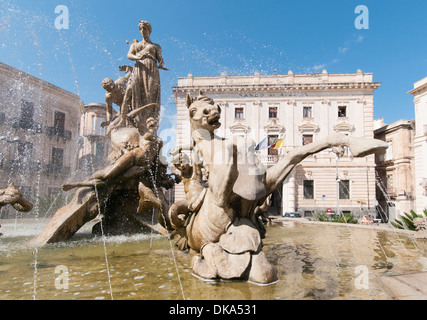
298 108
94 144
420 143
396 167
39 133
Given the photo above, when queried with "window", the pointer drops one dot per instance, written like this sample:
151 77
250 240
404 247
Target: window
308 189
92 148
271 140
25 152
272 113
100 130
307 112
342 111
59 122
57 158
389 182
99 151
27 114
346 152
344 189
238 113
306 139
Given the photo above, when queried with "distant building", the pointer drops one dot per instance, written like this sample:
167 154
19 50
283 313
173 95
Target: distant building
39 133
95 145
420 143
299 108
396 168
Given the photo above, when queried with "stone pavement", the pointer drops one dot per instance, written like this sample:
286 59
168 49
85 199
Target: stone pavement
411 286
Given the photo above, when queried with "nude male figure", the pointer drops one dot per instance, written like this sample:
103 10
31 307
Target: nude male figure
115 92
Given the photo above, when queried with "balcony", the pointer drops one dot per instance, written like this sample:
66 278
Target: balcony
59 132
28 125
55 169
23 166
99 132
269 159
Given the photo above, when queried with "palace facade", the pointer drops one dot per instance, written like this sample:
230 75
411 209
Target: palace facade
420 143
38 134
299 108
95 145
396 167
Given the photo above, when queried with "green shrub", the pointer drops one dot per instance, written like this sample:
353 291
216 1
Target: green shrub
406 221
323 216
346 218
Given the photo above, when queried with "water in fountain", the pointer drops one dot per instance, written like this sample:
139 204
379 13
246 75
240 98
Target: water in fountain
139 266
30 39
389 227
385 195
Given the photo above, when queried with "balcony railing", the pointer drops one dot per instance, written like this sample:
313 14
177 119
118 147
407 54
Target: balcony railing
96 133
26 124
57 132
57 170
266 159
23 166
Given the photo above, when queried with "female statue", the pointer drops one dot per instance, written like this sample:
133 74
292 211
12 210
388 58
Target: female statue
144 85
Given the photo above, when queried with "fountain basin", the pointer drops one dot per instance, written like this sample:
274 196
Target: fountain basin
314 261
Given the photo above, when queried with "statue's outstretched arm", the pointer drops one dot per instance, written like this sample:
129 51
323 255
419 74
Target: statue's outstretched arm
359 147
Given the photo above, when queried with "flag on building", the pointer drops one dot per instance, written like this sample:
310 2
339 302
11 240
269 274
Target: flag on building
278 144
263 144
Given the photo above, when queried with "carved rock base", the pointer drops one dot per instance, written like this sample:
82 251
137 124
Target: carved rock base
238 255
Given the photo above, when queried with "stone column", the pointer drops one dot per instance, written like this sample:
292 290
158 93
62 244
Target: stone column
288 193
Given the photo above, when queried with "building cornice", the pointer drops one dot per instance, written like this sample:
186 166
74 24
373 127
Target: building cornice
291 89
16 74
418 90
398 125
419 87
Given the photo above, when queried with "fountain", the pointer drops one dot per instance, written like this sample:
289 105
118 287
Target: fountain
217 220
216 228
126 193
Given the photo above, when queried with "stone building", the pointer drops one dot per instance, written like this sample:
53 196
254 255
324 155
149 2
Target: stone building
39 133
94 144
298 108
420 143
396 167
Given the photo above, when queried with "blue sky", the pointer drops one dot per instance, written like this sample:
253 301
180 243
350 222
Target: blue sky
209 37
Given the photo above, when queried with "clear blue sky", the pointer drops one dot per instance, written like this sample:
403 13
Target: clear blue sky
209 37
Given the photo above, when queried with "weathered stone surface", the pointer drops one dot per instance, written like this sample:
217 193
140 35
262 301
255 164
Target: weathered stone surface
69 219
241 236
129 189
12 196
232 193
262 271
215 262
407 286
